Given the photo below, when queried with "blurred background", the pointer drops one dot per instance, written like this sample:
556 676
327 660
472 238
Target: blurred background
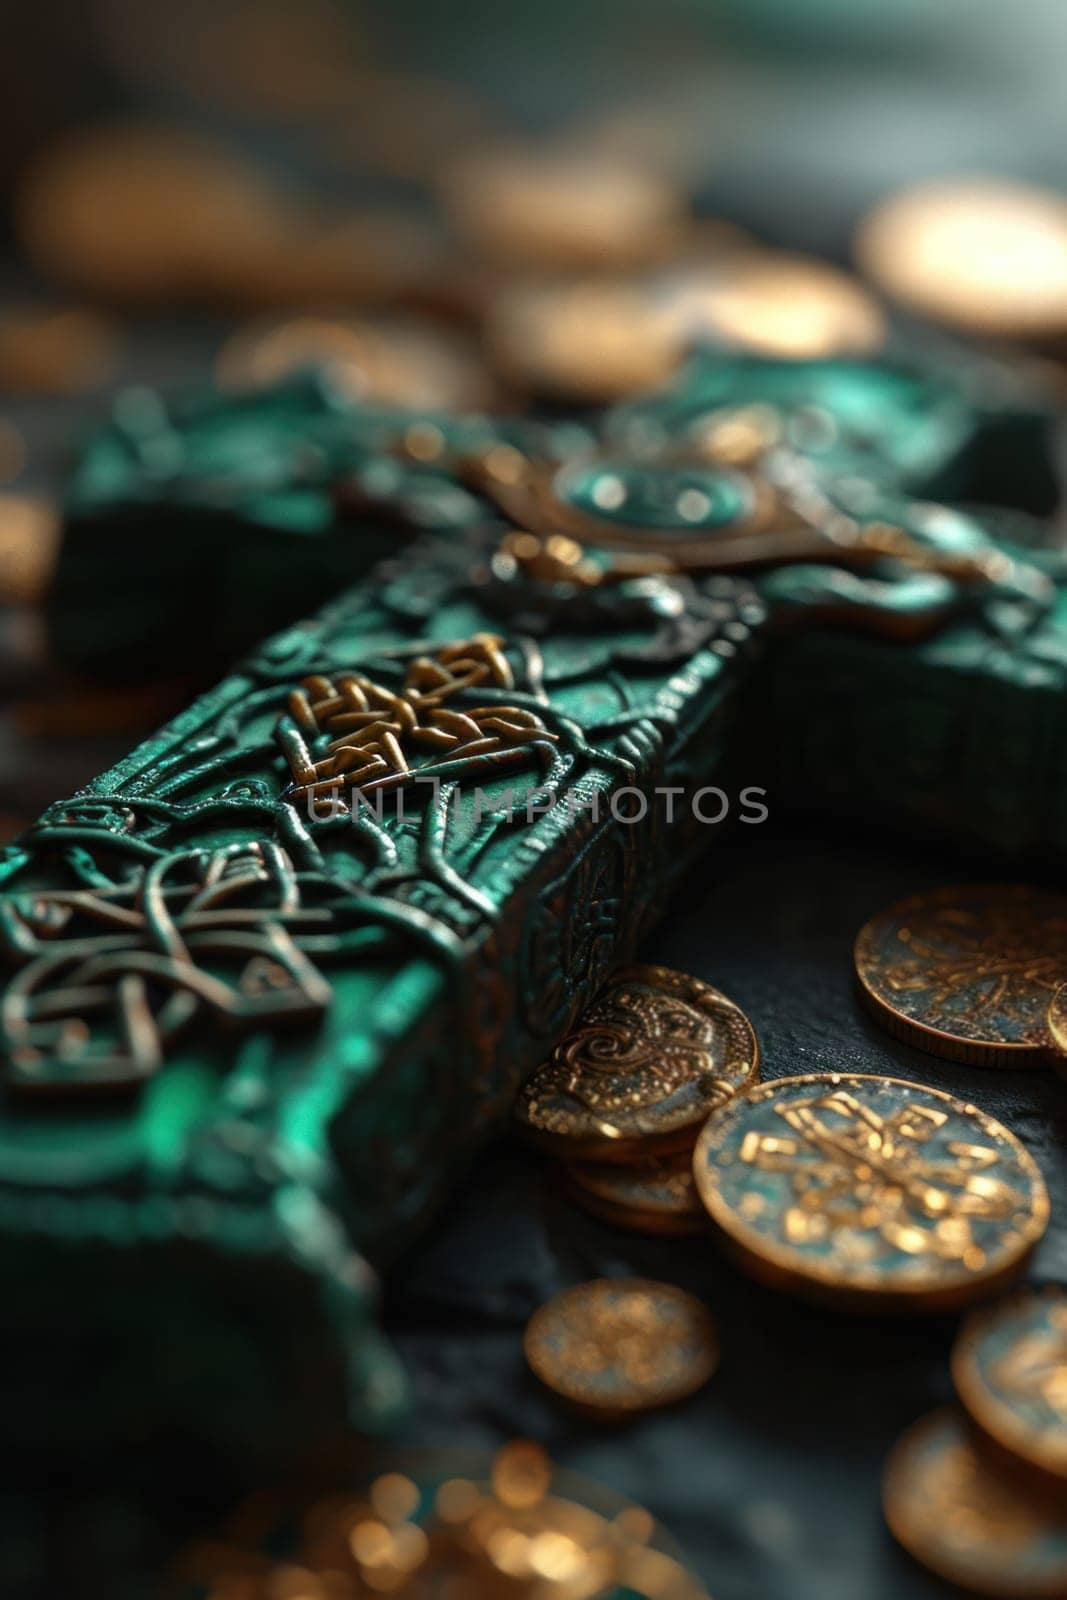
483 207
230 157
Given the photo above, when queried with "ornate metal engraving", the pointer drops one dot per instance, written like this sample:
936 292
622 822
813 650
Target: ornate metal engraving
115 973
378 739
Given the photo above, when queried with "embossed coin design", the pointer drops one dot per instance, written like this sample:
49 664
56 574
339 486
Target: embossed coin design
870 1193
620 1346
968 1522
655 1053
1009 1366
967 972
655 1197
1056 1021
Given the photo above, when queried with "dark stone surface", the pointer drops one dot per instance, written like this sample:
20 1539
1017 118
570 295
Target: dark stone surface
770 1478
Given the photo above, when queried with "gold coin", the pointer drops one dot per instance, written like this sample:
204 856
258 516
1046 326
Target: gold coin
649 1059
779 305
967 972
1009 1366
30 533
146 212
386 362
870 1193
562 209
656 1197
1056 1022
987 255
55 350
589 341
622 1345
961 1517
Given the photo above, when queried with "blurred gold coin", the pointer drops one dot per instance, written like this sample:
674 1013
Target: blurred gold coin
1009 1365
779 305
621 1346
637 1077
145 212
657 1197
969 1522
29 545
58 350
386 362
968 971
569 210
590 341
986 254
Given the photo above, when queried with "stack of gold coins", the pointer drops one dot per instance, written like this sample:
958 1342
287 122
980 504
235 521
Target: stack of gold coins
621 1101
979 1494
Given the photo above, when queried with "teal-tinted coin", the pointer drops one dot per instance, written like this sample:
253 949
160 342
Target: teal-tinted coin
1009 1366
622 1345
967 972
870 1193
972 1524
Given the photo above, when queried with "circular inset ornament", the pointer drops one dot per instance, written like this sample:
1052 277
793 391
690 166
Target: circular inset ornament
1009 1366
698 518
651 1057
655 1197
967 972
620 1346
870 1193
671 500
962 1518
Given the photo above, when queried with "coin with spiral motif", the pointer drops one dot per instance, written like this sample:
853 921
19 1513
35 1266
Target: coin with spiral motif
870 1194
650 1058
622 1345
969 972
972 1524
1009 1366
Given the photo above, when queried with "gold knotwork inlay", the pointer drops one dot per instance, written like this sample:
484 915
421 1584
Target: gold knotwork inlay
380 738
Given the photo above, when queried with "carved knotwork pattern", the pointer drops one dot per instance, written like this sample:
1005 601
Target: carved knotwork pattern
375 738
113 974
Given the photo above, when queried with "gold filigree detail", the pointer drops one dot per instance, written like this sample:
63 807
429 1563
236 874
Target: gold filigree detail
378 738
